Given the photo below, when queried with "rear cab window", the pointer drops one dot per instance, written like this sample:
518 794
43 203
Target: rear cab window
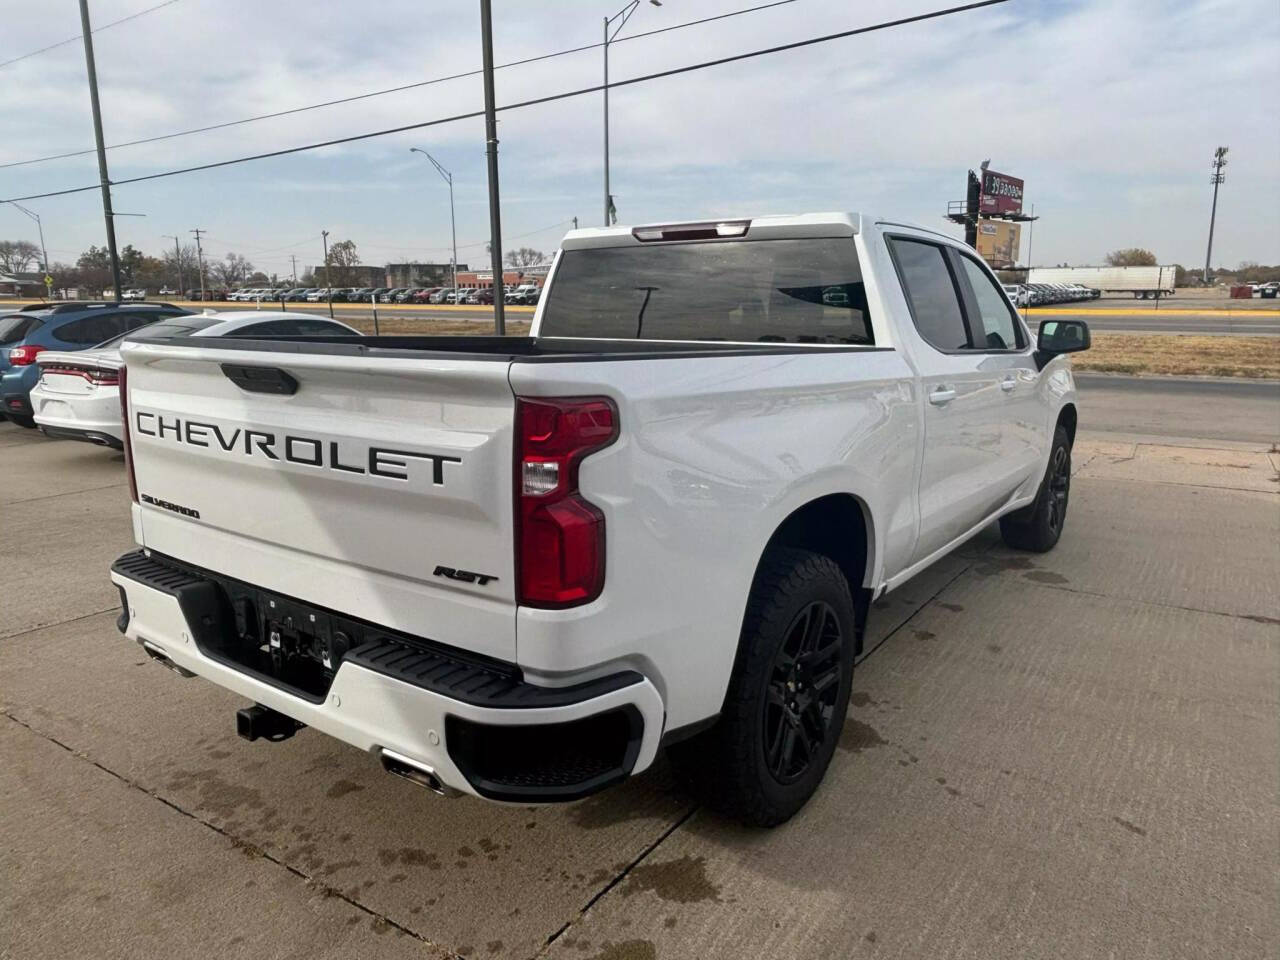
803 291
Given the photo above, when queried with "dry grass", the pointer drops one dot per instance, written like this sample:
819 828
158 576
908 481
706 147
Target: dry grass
1182 355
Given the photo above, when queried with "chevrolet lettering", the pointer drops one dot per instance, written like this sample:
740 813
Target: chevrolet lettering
383 462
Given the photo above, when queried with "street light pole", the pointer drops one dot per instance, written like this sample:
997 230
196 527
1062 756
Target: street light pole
622 16
324 237
491 151
102 150
44 267
453 225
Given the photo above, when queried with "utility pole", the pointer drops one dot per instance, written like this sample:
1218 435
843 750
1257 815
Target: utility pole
177 258
1219 161
491 150
324 236
200 259
102 150
294 260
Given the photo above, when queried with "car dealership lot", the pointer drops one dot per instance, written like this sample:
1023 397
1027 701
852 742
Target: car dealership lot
1072 754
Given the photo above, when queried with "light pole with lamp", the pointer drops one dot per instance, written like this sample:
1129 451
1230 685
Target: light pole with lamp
448 178
324 236
44 267
622 16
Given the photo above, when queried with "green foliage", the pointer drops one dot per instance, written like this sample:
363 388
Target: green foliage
1131 257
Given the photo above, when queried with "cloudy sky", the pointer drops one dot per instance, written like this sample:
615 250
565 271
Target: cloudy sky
1109 109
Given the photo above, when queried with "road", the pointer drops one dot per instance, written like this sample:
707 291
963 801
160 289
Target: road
1062 755
1181 407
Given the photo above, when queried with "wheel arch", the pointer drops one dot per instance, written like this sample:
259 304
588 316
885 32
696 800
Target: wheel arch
1067 419
839 526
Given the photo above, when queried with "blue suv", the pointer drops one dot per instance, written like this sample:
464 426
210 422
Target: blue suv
60 326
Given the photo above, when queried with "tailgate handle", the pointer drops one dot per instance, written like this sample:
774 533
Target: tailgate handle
260 379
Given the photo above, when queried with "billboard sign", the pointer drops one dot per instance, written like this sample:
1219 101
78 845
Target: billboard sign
999 242
1000 193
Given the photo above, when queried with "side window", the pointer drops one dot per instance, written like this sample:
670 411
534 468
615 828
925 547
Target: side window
271 328
320 328
999 329
935 305
90 330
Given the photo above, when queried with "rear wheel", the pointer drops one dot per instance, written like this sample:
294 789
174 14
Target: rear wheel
1038 527
787 697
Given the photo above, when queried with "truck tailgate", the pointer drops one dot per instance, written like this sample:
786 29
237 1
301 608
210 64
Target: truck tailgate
380 488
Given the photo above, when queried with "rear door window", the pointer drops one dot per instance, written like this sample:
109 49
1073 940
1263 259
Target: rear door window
999 330
931 293
742 291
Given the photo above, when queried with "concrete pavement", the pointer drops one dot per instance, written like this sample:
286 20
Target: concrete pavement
1071 754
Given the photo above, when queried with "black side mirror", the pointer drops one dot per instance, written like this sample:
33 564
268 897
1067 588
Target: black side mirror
1062 336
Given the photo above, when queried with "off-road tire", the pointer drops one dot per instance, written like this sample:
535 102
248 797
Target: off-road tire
1037 527
726 766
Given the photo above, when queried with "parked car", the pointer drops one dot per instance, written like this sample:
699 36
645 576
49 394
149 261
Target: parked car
65 327
441 295
482 296
77 395
407 294
360 295
424 295
764 470
317 295
390 295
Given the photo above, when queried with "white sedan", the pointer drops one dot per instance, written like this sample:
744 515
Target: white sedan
78 394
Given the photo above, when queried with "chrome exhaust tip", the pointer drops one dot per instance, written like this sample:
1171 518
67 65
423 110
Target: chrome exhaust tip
412 770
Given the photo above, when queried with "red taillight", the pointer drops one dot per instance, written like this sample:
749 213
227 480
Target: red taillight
98 375
560 538
24 355
124 433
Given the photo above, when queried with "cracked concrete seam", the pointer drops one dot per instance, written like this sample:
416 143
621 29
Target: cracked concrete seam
247 848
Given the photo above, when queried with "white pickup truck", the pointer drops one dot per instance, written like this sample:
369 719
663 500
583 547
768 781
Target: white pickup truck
518 567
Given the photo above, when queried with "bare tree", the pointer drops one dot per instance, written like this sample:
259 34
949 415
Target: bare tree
342 257
17 256
525 257
231 271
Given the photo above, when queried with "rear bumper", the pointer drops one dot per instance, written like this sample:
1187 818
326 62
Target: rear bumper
482 729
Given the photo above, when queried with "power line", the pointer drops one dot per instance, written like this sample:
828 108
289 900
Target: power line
78 36
379 93
550 98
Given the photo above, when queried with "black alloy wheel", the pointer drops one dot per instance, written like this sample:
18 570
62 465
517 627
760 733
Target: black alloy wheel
799 706
1059 487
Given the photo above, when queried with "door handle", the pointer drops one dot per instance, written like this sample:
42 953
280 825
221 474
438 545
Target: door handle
942 396
1007 385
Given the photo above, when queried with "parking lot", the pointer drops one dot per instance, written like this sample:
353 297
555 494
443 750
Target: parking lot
1063 755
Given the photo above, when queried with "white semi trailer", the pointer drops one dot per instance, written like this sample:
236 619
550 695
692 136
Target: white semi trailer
1142 282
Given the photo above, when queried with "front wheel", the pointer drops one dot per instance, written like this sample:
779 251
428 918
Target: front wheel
1038 526
787 697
